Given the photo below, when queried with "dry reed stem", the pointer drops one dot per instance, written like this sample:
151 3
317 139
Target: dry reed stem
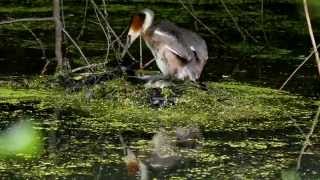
107 35
307 141
296 70
76 45
313 41
27 19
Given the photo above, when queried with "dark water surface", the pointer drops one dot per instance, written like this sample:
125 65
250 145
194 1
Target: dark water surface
72 151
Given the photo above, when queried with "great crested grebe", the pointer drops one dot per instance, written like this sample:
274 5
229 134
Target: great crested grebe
178 52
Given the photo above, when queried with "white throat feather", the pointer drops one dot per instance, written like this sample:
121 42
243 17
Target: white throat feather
148 19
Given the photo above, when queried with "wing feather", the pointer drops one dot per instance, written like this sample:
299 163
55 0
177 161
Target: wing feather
181 42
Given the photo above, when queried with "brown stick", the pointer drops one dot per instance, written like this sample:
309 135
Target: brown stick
58 35
313 41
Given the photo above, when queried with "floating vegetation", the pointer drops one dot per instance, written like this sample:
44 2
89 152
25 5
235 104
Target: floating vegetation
245 131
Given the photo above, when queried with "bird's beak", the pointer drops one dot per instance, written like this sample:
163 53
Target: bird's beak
126 46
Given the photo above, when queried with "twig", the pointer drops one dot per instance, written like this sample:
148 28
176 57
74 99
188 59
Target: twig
295 124
307 139
250 35
105 7
245 31
110 28
140 49
62 14
262 22
148 63
105 34
27 19
295 71
234 20
200 22
88 67
44 56
121 35
305 5
76 45
84 20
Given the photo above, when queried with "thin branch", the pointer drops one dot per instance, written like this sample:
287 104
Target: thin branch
44 56
305 5
200 22
62 14
84 20
234 20
262 22
88 67
105 8
307 140
110 28
107 35
250 35
148 63
140 49
121 35
296 124
76 45
27 19
296 70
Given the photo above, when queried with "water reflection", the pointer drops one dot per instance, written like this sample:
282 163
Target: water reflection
73 151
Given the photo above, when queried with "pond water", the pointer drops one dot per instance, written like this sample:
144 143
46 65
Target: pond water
73 152
73 148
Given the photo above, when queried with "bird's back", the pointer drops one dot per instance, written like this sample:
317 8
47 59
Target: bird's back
185 42
178 51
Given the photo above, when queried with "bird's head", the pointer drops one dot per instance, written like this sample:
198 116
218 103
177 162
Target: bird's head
139 24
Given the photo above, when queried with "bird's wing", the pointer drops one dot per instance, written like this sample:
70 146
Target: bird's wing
181 42
169 35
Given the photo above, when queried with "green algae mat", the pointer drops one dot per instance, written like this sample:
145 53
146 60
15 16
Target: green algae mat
247 132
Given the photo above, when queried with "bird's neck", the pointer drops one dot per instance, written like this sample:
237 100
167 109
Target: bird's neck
147 22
